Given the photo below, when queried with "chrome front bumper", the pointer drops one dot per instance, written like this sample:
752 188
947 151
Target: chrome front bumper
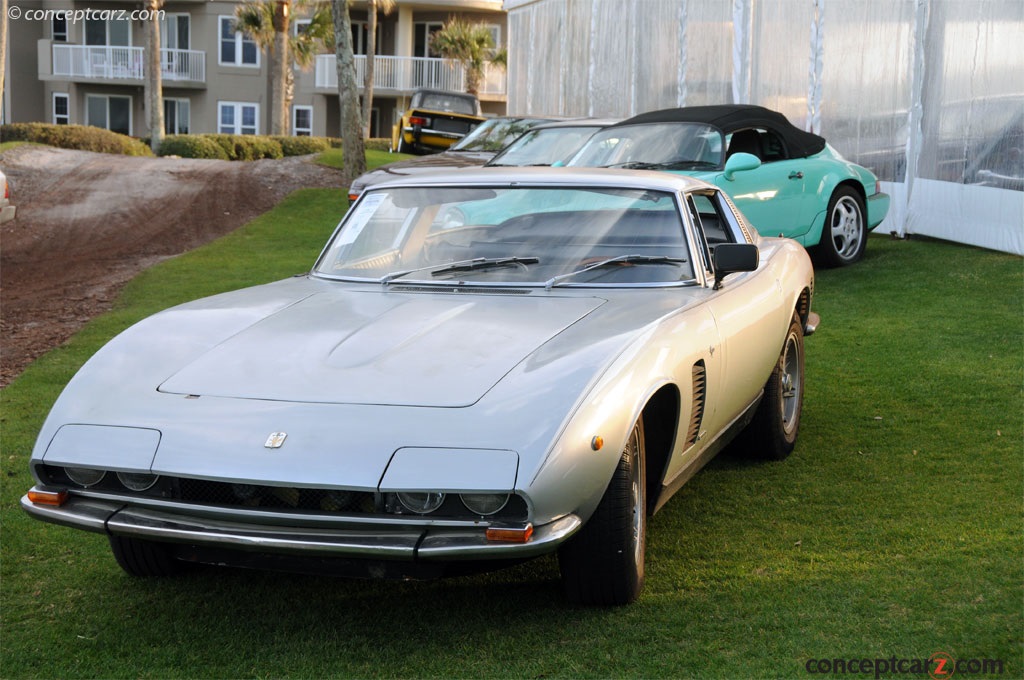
345 538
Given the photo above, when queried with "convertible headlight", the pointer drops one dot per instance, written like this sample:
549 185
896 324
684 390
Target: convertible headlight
421 503
137 481
85 476
484 503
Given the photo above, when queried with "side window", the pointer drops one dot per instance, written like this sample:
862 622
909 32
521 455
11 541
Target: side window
702 243
772 147
709 217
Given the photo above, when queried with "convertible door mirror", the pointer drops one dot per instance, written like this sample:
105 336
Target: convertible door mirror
740 162
734 257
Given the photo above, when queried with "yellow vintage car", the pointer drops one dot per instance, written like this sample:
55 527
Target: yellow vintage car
434 121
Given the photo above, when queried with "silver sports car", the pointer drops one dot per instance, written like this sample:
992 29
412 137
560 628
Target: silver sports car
481 367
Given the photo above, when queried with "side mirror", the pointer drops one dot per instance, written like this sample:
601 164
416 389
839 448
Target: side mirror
740 162
734 257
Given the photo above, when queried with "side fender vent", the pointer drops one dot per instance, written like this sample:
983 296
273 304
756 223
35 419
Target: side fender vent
699 380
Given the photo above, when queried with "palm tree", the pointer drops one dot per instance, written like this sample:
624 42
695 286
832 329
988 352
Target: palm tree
371 50
268 23
469 44
352 147
153 87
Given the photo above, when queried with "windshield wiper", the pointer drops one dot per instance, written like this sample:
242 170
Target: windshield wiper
621 259
485 263
682 164
461 265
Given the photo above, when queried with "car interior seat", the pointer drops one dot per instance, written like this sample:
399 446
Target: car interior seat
745 141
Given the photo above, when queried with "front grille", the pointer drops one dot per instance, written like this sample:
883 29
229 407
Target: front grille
273 497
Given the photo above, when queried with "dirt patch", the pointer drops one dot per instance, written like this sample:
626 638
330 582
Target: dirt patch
88 222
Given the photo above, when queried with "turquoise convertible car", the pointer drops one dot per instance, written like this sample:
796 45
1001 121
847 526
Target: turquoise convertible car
786 181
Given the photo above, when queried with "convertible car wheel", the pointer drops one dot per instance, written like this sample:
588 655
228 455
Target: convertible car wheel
604 563
845 235
143 558
777 421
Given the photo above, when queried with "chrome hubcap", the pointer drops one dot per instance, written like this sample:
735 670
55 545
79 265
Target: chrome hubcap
790 384
847 227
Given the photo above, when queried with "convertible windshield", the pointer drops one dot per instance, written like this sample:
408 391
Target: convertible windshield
654 146
511 236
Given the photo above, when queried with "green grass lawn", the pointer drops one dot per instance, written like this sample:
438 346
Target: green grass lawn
333 158
894 530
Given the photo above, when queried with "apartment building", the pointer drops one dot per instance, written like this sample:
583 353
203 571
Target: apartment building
81 62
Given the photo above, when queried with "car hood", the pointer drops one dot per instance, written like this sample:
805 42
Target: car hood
371 348
447 160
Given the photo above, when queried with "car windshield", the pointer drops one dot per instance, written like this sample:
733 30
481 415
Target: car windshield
521 236
449 102
494 134
656 146
545 146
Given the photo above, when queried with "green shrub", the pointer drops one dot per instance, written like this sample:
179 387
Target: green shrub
79 137
301 146
192 146
258 147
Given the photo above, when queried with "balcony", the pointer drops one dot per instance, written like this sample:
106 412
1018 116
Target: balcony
98 63
402 75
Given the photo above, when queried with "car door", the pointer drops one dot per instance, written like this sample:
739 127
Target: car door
749 311
778 197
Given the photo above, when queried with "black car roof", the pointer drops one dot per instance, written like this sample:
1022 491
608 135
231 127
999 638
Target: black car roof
732 117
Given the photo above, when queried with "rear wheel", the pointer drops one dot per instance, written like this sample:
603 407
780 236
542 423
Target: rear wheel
845 234
775 426
603 564
143 558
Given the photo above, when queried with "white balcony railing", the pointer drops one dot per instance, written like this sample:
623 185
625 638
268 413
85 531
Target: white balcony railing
408 73
125 63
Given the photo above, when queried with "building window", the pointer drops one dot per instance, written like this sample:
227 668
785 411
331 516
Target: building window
495 30
236 48
423 32
300 26
176 116
238 118
61 108
302 121
108 32
109 111
175 32
59 28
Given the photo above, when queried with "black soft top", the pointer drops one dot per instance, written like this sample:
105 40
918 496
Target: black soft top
730 118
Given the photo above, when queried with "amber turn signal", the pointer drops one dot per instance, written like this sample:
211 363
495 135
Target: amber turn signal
54 497
510 534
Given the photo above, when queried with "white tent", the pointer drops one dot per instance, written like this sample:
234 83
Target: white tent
927 93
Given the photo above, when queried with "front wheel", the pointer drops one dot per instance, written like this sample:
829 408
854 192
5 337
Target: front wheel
777 421
143 558
845 234
604 563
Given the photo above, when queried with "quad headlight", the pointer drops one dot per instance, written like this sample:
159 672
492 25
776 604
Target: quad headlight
484 503
421 503
137 481
85 476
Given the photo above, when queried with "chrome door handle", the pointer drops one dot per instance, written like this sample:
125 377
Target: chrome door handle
796 175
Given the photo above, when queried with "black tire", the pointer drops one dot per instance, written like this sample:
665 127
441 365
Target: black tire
845 234
776 424
402 146
144 558
603 564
